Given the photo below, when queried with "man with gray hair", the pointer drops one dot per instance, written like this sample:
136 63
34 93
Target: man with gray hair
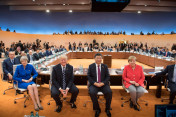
30 56
8 66
62 83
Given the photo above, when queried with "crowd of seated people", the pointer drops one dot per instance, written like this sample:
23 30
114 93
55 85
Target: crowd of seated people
123 46
107 33
19 47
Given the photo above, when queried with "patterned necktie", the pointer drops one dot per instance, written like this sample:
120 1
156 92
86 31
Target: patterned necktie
64 83
13 61
99 74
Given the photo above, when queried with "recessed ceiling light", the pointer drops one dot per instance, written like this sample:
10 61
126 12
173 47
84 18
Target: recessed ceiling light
47 10
33 0
63 4
70 11
145 5
139 12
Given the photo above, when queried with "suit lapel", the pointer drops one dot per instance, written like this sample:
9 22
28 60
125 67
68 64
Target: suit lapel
172 69
95 69
102 71
66 70
10 62
60 69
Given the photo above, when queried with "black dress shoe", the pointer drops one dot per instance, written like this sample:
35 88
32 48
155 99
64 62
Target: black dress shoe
108 113
73 105
131 104
59 108
137 107
97 113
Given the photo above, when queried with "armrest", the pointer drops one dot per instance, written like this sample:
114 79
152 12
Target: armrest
16 87
145 83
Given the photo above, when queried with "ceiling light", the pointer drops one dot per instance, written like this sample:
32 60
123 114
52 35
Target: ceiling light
145 5
139 12
63 4
33 0
70 11
47 11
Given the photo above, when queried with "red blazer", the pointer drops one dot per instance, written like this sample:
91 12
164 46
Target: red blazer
136 75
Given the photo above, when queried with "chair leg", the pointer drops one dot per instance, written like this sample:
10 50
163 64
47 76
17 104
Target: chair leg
27 98
50 101
85 103
125 102
146 102
18 99
162 100
9 88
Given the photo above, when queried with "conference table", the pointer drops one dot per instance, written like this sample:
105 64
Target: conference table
80 75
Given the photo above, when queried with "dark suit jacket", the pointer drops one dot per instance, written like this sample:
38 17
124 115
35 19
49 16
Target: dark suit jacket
29 58
42 54
36 56
57 76
92 75
168 54
173 55
48 53
169 70
8 67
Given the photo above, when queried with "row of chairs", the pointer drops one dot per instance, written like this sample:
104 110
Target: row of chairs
15 87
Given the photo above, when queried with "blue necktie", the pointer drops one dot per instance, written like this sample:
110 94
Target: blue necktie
64 83
13 61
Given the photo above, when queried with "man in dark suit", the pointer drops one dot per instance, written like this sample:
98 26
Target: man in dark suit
173 55
171 77
42 53
8 66
49 52
37 55
30 57
98 77
167 53
62 83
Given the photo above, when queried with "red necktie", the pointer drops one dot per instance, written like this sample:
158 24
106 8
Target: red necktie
99 74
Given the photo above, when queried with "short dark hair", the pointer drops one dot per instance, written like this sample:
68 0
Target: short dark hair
98 54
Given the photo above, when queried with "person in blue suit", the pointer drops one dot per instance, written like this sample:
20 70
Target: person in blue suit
49 52
25 80
8 66
167 53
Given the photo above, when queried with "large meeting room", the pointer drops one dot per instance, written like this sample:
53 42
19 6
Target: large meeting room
88 58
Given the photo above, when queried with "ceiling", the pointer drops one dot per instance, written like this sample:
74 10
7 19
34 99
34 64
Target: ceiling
86 5
151 6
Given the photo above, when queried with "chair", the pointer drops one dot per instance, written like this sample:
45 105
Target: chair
9 87
15 85
122 105
99 94
167 88
50 84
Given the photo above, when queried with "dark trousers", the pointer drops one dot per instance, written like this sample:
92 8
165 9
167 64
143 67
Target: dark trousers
55 94
93 90
173 91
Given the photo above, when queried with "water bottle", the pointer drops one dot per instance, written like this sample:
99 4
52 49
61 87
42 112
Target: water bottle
36 66
32 114
36 115
81 69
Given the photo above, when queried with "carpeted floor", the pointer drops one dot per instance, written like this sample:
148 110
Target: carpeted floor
9 109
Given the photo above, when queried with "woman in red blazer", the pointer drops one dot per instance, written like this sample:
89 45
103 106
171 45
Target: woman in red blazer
133 80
